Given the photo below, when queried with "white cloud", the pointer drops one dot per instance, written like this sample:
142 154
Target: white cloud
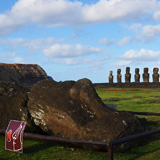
158 63
15 44
146 33
106 41
68 61
44 12
135 26
97 63
37 44
49 12
18 60
124 40
121 63
9 24
156 15
50 47
67 50
91 62
12 58
64 12
149 32
12 43
8 55
142 55
118 10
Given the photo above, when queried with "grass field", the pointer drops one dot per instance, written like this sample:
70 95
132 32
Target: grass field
147 100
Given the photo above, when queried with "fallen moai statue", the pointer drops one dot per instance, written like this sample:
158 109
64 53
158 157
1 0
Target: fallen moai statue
65 109
74 110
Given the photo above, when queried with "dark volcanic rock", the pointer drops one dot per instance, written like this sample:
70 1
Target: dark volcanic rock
13 103
13 106
74 110
22 74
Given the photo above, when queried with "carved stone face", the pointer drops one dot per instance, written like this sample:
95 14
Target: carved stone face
119 71
155 70
145 70
137 70
127 72
128 69
111 72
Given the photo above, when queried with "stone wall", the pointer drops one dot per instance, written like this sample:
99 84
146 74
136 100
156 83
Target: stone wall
128 85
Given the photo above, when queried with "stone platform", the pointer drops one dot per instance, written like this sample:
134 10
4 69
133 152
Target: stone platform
128 85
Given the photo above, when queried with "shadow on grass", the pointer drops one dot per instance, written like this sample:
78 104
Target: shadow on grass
38 147
136 151
139 154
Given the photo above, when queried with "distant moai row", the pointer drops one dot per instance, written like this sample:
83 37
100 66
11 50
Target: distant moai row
145 75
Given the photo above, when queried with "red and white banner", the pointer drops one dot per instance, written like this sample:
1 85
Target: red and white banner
14 136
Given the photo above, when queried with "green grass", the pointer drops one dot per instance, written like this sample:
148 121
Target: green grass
139 99
39 150
142 100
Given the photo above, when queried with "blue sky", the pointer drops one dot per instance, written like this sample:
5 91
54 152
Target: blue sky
81 39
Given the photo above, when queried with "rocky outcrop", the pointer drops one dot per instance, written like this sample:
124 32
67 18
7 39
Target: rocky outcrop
13 106
22 74
65 109
74 110
13 103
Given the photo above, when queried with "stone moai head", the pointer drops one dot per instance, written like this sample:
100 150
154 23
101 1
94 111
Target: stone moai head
155 70
118 71
110 77
127 69
155 75
137 75
137 70
145 75
146 70
119 75
127 75
110 73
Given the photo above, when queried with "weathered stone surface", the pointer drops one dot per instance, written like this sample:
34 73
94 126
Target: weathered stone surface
137 75
145 75
13 106
74 110
155 75
127 75
110 77
22 74
13 103
119 76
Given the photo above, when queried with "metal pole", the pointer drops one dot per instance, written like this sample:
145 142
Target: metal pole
143 113
62 139
110 151
2 131
135 136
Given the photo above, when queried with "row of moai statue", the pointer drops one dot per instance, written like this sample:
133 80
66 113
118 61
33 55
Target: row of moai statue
155 75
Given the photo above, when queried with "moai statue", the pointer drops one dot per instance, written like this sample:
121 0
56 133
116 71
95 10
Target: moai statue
127 75
119 76
111 77
137 75
145 75
155 75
